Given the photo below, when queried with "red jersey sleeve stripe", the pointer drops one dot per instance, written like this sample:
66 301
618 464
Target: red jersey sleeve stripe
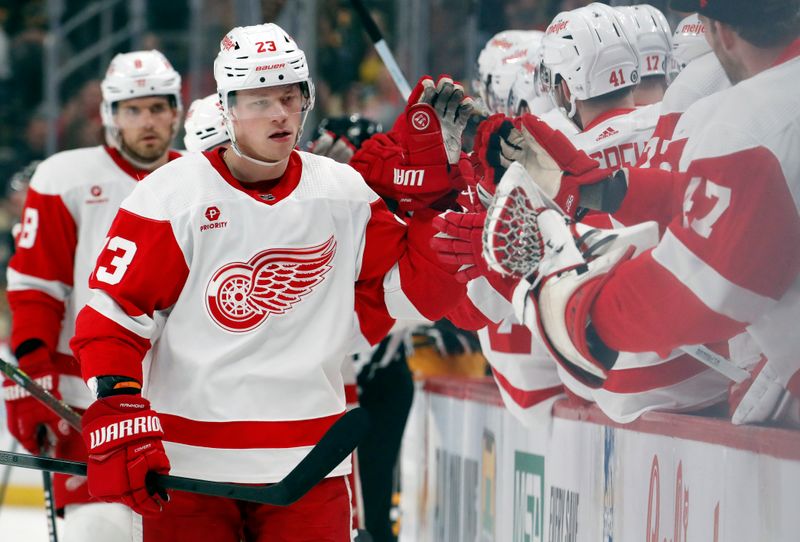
715 291
525 398
48 239
245 434
106 348
645 308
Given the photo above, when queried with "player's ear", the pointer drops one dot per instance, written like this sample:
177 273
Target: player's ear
726 35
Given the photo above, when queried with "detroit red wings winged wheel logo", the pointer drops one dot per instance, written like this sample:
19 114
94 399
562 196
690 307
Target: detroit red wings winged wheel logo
241 295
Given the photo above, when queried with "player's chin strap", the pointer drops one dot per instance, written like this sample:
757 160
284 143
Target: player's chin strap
262 163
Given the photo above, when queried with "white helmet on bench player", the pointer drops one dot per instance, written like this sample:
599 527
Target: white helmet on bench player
204 125
260 56
491 60
138 75
653 37
526 94
590 51
688 43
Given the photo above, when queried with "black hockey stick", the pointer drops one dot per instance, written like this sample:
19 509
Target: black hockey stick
333 448
382 48
48 399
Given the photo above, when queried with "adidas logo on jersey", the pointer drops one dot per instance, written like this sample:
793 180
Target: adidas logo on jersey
608 132
409 177
123 429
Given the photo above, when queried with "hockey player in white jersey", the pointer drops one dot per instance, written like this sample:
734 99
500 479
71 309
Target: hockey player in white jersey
695 73
245 276
640 382
653 40
72 201
730 205
205 125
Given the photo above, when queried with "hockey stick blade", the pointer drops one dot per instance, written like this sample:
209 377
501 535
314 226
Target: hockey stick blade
62 409
333 448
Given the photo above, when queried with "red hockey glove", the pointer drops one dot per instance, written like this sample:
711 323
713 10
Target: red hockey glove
123 436
459 242
489 150
25 414
376 161
552 161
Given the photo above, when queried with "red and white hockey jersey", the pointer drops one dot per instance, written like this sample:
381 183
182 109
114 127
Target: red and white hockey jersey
731 255
617 138
251 297
73 198
703 77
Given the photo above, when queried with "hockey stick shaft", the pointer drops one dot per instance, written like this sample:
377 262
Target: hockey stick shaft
382 48
48 399
333 448
47 488
49 505
711 359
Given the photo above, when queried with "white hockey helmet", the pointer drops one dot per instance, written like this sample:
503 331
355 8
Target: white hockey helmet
505 71
526 91
204 125
258 56
503 45
688 43
137 75
589 50
653 37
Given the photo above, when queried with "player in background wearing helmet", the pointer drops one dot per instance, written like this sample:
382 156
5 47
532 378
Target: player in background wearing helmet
729 259
653 38
245 275
73 198
204 126
695 73
675 381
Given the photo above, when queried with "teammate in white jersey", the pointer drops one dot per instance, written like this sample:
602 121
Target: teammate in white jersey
72 201
653 40
244 275
696 73
205 125
729 260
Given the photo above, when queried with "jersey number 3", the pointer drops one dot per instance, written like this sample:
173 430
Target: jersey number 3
124 251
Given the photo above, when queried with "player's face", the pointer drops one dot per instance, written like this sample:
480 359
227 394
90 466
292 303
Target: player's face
145 126
267 120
